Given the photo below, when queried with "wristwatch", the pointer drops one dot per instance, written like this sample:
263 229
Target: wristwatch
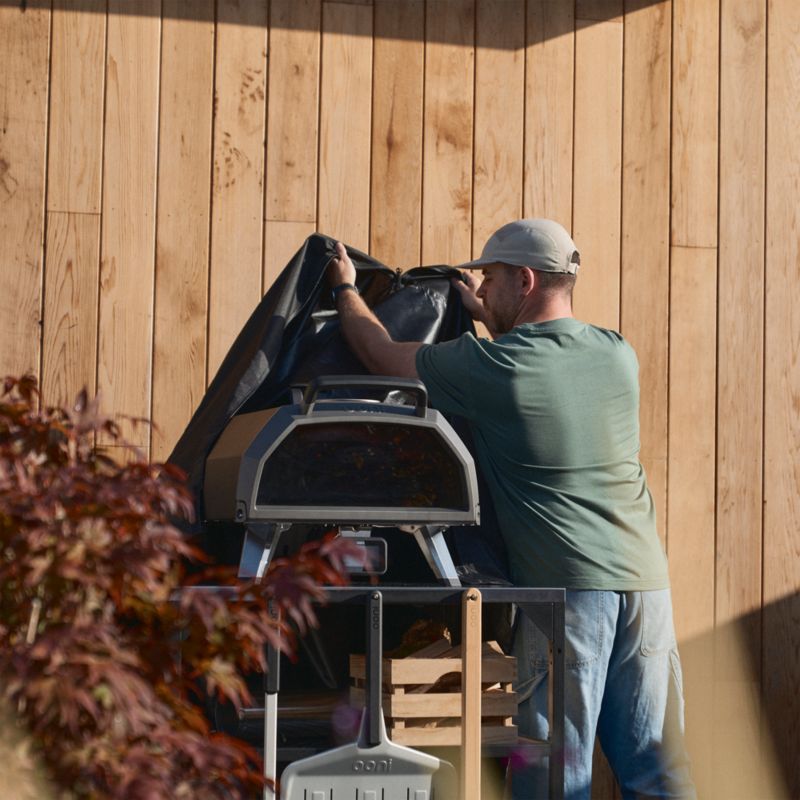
342 287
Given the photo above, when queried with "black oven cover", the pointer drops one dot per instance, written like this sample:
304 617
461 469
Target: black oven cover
293 335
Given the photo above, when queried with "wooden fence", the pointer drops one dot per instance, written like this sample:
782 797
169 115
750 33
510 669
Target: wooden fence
160 160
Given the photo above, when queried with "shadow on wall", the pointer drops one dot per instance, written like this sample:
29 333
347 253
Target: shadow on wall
237 11
743 705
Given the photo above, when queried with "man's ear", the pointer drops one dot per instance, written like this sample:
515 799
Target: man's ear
528 279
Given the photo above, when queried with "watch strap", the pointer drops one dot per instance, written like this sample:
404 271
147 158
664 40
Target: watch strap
343 287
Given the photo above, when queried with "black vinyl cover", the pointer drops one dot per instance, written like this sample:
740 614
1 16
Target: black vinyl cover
293 335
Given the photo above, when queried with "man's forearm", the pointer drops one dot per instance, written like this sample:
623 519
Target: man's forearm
370 340
362 330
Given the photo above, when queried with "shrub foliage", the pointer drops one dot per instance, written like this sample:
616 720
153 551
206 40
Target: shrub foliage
100 657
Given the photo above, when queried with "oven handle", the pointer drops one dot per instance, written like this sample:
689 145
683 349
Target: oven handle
325 383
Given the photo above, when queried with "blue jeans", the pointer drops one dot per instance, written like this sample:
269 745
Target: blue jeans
623 684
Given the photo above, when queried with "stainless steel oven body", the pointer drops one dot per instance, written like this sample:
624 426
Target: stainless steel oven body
354 463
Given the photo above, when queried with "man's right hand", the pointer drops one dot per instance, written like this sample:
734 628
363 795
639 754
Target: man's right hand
340 268
468 288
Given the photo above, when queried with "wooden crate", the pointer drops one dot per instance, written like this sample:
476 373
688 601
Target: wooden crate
422 695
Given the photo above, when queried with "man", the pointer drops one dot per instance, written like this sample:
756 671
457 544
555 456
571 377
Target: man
554 408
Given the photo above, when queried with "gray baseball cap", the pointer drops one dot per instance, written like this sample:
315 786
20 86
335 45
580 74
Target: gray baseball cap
537 243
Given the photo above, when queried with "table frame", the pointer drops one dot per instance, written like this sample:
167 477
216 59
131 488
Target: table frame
544 607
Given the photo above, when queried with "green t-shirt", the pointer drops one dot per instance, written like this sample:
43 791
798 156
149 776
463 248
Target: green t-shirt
554 409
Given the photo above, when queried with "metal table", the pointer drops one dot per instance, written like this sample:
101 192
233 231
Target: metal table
544 607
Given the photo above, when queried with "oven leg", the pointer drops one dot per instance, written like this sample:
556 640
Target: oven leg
260 541
431 541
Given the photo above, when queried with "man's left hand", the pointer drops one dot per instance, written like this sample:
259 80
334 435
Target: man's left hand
468 288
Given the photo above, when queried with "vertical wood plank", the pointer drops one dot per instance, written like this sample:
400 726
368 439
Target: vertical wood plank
599 10
293 110
182 233
69 356
695 135
76 107
646 226
693 365
549 92
741 294
24 54
345 119
74 194
737 766
281 241
397 99
781 656
597 177
740 392
692 425
238 174
128 224
692 488
499 96
447 149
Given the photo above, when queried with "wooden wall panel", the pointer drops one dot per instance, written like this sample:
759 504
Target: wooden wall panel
599 10
24 55
645 226
345 119
293 113
77 81
499 117
596 215
281 241
781 652
69 350
692 487
695 109
237 199
184 194
397 100
741 300
74 193
447 150
128 226
691 516
740 394
414 129
549 106
292 131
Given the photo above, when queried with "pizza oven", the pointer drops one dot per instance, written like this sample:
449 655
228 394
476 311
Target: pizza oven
351 452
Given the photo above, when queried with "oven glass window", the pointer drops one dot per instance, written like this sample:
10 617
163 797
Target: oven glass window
363 464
